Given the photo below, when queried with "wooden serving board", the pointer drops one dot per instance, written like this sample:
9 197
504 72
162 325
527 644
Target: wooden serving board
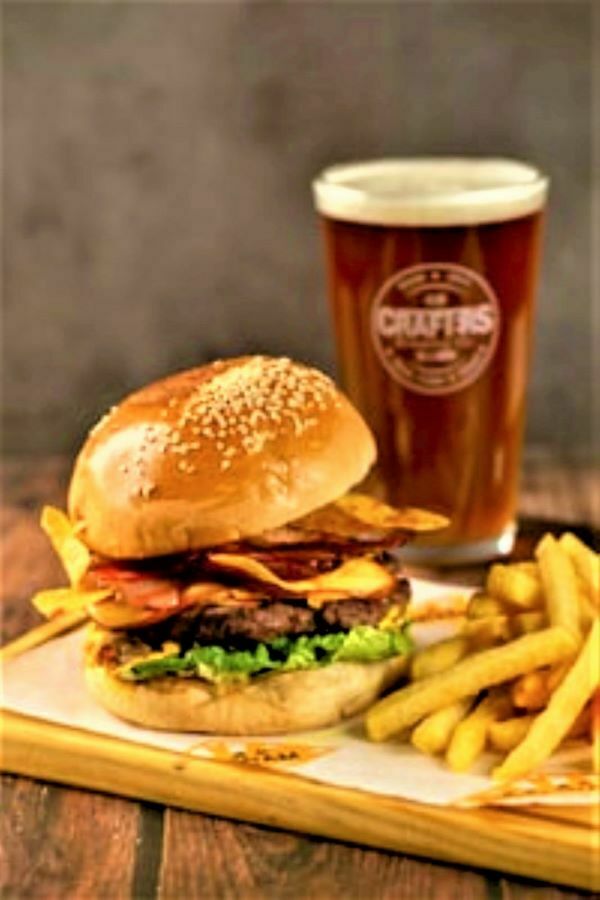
554 844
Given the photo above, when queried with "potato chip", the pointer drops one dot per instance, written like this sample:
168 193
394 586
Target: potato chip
357 577
65 600
73 553
373 512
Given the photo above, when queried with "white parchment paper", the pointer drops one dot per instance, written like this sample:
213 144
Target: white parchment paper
47 683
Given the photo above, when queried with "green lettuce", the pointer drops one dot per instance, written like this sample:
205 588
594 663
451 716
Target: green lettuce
285 654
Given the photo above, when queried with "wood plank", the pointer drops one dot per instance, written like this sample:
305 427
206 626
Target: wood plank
527 890
255 862
470 836
65 843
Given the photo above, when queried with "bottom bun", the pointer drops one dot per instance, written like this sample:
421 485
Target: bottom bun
267 704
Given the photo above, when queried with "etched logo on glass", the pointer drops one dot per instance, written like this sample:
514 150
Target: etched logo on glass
435 327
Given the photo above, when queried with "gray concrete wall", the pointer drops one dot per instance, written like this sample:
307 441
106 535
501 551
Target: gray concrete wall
158 158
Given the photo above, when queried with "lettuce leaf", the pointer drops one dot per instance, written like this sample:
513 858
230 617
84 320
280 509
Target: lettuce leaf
214 663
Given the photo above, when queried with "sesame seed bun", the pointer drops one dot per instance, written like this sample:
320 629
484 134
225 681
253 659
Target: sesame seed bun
216 454
266 704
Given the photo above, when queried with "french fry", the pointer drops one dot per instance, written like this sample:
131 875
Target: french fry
524 623
533 690
595 731
516 585
530 691
505 736
468 676
560 585
551 726
487 632
482 606
557 673
433 734
587 610
586 563
438 657
469 736
529 565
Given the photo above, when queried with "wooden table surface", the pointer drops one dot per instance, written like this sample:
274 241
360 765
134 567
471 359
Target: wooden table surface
60 842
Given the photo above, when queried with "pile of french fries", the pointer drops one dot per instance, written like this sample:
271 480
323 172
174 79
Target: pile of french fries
521 676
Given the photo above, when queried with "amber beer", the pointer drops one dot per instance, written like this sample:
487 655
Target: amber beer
432 268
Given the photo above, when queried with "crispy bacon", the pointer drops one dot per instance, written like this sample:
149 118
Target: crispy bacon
135 588
323 568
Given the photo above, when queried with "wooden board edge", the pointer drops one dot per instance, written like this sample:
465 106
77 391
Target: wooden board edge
586 816
470 837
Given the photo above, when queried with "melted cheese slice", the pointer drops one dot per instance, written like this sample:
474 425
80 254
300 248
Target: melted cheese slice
359 577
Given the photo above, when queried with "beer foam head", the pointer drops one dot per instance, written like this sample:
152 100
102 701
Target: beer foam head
432 191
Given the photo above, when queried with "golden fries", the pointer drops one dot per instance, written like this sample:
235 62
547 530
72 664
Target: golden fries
438 657
524 623
533 690
433 734
560 585
520 677
551 726
557 673
518 585
506 735
482 606
586 563
530 691
587 610
487 632
469 676
469 737
595 731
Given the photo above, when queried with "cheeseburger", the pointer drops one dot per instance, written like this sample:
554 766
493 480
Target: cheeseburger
232 582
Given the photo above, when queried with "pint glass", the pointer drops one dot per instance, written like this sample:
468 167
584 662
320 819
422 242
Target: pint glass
432 269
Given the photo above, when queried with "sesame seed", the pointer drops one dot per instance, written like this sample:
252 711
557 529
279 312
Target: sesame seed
237 406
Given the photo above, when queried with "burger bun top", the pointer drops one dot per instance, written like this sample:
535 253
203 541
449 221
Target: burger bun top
216 454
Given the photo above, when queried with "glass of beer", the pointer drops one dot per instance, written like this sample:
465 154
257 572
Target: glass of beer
432 269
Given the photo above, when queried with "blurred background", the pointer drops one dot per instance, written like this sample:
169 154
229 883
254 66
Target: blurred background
158 158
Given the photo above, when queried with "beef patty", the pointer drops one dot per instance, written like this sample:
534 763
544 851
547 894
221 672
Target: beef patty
241 626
